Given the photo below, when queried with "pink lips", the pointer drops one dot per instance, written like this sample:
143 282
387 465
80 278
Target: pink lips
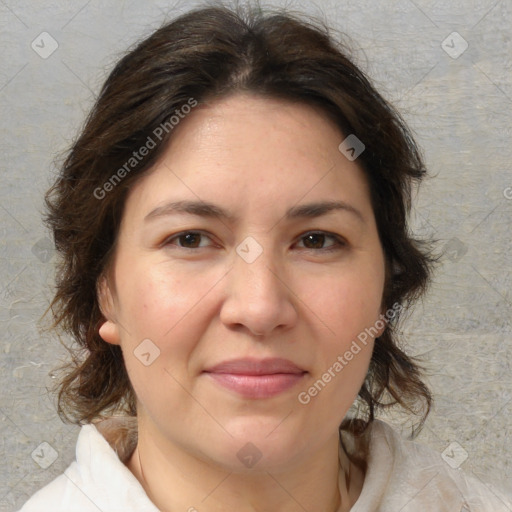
256 378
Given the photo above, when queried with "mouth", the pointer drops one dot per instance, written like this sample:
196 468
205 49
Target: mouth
256 379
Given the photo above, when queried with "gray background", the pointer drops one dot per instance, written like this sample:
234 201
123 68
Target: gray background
460 109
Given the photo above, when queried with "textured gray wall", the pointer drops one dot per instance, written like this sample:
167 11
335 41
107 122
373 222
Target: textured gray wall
457 99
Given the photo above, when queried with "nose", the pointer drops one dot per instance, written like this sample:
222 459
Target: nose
258 299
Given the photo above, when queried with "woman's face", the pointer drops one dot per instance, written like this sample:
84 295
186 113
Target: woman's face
227 252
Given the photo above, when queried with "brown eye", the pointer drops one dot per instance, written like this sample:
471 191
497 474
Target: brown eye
190 239
187 240
316 240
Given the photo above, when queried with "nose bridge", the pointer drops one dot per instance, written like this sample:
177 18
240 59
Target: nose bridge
257 296
255 271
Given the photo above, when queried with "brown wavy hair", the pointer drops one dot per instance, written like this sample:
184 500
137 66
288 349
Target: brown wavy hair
207 54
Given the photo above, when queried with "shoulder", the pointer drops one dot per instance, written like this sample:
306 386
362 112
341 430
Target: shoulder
64 493
96 480
409 476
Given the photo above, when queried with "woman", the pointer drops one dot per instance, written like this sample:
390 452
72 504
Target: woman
232 222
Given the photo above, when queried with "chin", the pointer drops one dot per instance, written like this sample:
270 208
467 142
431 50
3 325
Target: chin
252 458
256 446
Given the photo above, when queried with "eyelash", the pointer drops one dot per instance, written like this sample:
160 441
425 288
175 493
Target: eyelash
340 242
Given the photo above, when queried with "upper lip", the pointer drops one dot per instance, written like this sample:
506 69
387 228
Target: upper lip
252 366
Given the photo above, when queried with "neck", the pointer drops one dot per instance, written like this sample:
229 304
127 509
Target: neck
175 479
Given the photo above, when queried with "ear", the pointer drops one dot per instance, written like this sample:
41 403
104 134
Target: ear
381 324
109 329
385 316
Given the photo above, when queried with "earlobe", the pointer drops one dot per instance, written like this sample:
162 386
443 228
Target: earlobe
381 324
381 327
109 330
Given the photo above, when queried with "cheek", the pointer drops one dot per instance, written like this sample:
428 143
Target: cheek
346 303
169 307
158 298
349 310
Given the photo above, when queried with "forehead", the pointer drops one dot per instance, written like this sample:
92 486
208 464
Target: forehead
261 124
246 149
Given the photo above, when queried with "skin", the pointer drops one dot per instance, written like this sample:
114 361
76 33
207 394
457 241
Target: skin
201 303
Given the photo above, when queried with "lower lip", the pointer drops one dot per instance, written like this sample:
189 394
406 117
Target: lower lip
257 386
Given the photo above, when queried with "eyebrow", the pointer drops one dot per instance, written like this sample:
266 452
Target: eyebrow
206 209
